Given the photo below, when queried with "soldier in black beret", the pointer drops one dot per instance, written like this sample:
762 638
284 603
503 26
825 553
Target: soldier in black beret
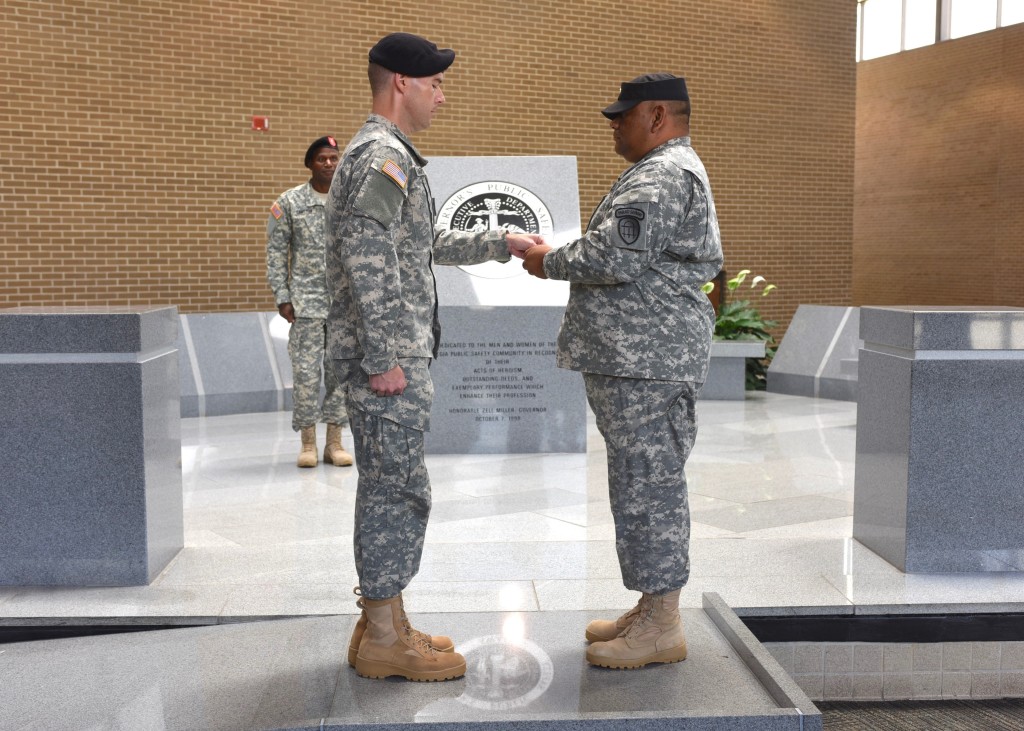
410 55
384 331
296 241
319 144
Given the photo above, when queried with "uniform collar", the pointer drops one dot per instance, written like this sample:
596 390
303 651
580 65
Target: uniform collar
674 142
309 194
667 145
393 129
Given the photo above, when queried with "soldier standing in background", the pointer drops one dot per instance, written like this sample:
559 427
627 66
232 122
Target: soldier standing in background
296 241
384 331
639 328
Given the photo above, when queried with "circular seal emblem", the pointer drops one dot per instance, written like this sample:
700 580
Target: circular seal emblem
490 206
502 674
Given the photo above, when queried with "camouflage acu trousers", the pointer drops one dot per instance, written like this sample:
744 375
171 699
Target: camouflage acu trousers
393 493
307 341
649 428
392 503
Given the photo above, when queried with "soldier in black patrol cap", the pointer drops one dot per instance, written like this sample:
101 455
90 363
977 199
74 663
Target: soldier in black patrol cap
649 87
384 331
638 327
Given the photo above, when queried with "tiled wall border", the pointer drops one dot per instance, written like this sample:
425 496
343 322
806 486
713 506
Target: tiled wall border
903 671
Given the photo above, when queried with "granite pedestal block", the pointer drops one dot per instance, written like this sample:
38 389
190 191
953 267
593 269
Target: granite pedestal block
496 386
727 372
939 433
818 354
91 453
234 363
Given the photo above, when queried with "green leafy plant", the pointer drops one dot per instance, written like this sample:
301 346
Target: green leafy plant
740 320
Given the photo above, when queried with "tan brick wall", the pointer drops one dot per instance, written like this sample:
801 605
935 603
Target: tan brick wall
939 202
130 174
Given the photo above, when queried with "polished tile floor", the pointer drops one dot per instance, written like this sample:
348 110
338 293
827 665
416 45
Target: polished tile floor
771 491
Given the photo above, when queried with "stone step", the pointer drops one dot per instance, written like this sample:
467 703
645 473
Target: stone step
526 671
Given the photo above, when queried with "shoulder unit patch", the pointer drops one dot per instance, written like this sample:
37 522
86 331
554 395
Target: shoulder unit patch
629 223
276 211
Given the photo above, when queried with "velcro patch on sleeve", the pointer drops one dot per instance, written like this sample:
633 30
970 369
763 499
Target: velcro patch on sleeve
276 211
631 222
393 171
380 197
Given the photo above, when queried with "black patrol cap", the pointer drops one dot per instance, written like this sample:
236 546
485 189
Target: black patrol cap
658 87
410 55
317 144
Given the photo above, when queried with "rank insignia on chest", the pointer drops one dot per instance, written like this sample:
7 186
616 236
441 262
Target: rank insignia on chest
629 223
391 169
276 211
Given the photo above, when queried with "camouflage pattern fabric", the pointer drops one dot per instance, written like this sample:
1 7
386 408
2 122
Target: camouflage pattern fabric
382 245
411 408
381 251
307 343
649 428
296 243
639 327
296 240
635 305
392 498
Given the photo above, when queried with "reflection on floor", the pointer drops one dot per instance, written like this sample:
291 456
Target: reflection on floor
771 490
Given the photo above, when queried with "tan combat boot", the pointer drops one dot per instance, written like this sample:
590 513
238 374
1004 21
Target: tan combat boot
438 642
656 635
334 453
390 646
308 455
603 630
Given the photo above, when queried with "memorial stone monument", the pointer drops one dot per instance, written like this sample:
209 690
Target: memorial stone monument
497 388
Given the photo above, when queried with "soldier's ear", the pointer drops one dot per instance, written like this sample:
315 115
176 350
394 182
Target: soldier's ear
658 116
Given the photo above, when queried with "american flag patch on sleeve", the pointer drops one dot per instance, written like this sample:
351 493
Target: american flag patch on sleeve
391 169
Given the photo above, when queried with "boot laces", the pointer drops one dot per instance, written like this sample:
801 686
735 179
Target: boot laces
645 610
629 617
420 640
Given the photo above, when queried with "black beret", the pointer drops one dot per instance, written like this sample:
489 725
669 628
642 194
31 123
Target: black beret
649 87
410 55
317 144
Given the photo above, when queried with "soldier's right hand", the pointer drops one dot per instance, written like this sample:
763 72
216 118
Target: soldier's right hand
286 311
390 383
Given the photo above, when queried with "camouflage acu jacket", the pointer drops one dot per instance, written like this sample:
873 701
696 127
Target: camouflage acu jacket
636 308
382 244
296 239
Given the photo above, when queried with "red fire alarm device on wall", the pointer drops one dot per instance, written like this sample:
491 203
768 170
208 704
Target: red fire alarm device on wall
261 124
